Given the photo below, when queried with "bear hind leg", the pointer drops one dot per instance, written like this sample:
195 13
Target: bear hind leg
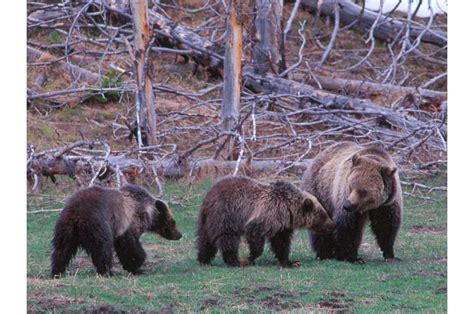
229 246
130 252
64 248
206 249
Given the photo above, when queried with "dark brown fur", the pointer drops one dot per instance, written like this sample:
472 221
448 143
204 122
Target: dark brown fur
100 220
237 206
355 184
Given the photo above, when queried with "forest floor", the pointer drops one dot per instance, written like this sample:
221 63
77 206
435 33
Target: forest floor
174 281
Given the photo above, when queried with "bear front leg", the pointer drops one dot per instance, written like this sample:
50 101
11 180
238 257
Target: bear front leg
130 252
322 244
229 246
348 237
385 223
256 245
280 244
102 255
255 240
97 240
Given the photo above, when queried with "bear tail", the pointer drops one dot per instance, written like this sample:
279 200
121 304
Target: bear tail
206 249
64 248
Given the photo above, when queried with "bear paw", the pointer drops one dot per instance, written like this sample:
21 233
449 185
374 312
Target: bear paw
358 261
291 264
296 264
247 263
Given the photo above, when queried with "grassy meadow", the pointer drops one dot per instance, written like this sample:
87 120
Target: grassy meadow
173 280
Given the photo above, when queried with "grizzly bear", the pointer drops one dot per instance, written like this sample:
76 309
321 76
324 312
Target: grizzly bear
355 184
237 206
100 220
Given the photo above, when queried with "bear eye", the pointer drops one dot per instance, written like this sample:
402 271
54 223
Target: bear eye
362 193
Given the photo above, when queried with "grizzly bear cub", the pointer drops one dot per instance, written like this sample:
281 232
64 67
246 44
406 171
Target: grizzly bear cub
355 184
237 206
100 220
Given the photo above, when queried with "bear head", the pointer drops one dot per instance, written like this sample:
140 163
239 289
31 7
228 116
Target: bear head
164 223
370 184
306 211
313 216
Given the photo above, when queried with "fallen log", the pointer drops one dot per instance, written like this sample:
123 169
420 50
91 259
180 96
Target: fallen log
276 85
387 28
374 89
121 169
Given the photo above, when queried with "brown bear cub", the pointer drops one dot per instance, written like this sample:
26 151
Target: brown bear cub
355 184
100 220
237 206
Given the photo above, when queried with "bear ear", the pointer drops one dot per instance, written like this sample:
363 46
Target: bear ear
388 172
308 205
161 206
355 159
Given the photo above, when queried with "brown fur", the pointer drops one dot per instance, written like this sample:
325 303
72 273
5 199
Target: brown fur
100 220
355 184
237 206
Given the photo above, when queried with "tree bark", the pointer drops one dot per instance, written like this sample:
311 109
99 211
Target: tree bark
267 36
232 70
387 28
146 116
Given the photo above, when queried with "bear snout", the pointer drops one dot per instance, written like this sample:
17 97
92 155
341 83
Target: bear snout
348 206
174 235
170 234
177 236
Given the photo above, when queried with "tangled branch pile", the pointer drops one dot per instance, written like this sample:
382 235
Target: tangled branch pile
347 74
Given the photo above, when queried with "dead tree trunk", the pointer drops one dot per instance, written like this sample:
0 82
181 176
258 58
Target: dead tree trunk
146 117
266 55
232 70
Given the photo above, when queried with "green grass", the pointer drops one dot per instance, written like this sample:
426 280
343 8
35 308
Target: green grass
173 279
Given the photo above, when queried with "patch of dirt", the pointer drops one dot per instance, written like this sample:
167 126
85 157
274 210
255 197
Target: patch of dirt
425 273
442 260
270 298
125 291
207 303
170 309
55 302
419 229
335 301
103 309
442 290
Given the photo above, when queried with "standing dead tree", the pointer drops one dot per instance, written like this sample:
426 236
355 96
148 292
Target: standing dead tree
145 99
232 72
267 37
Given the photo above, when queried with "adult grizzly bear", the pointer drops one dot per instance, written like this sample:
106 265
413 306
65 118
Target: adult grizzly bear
355 184
237 206
100 220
